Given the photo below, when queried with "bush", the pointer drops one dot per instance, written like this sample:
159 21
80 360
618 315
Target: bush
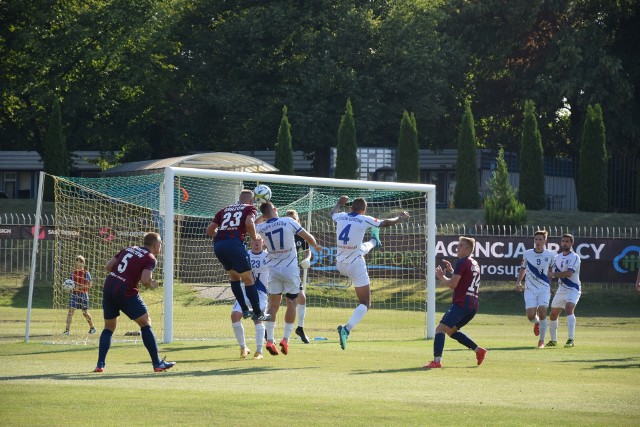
501 206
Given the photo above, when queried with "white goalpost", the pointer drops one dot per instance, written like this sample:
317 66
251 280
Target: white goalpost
96 217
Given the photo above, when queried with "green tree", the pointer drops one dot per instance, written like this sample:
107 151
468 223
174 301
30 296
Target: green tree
56 156
501 206
408 156
592 176
284 151
347 149
467 194
531 186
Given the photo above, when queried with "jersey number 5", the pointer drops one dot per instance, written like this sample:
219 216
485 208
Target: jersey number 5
124 262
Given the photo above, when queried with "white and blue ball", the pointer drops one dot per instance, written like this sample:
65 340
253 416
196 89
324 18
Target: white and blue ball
68 285
262 193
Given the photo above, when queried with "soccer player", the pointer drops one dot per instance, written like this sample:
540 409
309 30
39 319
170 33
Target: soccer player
124 271
465 283
535 270
638 282
228 229
284 273
260 271
350 229
79 296
567 271
305 261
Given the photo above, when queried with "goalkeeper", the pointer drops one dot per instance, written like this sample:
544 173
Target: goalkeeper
305 259
79 296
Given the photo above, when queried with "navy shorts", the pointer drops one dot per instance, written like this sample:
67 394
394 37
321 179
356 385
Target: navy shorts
79 300
457 316
233 255
114 301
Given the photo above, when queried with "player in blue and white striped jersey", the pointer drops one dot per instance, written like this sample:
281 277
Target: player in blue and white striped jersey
350 230
567 271
535 270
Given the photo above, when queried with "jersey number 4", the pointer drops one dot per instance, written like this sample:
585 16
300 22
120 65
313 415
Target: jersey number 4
344 234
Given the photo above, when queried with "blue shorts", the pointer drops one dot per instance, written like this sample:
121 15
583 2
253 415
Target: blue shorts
79 300
457 316
114 301
233 255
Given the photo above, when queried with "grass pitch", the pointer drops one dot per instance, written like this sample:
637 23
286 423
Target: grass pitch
373 382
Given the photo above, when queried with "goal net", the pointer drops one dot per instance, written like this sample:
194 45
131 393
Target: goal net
95 218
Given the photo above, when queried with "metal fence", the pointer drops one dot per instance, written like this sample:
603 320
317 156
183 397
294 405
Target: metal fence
15 253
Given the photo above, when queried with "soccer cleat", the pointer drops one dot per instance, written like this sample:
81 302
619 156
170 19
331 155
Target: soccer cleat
98 369
569 343
257 355
552 343
302 335
244 352
246 314
344 334
92 331
480 355
284 346
536 329
163 366
540 344
262 317
375 235
271 348
433 365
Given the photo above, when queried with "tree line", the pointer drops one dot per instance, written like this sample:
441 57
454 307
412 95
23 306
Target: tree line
156 78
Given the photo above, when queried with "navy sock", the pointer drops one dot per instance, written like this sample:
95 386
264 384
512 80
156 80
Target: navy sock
254 299
438 344
464 340
103 349
149 340
236 288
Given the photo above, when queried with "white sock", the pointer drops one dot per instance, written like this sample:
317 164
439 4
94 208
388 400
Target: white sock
571 325
259 336
288 328
543 329
553 329
534 320
238 331
301 312
367 246
271 327
357 316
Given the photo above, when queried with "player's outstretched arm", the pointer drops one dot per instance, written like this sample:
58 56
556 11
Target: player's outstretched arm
310 240
392 221
212 229
340 203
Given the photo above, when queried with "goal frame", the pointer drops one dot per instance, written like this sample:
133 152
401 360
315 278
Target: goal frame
169 218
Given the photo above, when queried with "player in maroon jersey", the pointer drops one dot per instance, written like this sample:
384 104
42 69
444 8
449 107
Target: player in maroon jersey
229 228
79 296
465 283
124 271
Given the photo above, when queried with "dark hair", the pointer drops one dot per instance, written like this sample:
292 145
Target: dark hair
359 204
570 236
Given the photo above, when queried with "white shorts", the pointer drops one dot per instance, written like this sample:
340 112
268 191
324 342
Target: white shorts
284 280
356 271
563 295
537 297
261 295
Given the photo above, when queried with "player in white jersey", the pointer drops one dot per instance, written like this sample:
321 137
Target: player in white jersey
566 268
258 259
284 273
350 229
535 269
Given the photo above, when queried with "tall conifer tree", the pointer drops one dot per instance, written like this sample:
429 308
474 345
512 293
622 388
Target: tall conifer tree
501 206
408 156
531 186
347 150
284 150
592 176
467 194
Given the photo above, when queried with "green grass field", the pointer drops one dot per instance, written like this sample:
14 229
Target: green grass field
373 382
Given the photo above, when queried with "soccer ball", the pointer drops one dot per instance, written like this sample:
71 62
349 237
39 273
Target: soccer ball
262 193
68 285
